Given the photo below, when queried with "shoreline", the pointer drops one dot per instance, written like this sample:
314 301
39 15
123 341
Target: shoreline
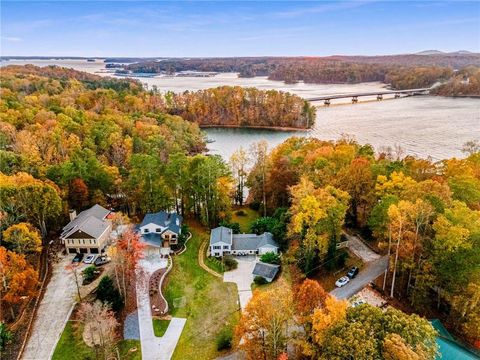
256 127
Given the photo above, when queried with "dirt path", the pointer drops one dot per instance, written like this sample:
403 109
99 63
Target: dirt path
201 260
361 250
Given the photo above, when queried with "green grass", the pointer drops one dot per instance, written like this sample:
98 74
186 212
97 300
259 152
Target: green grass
160 326
72 347
245 221
209 304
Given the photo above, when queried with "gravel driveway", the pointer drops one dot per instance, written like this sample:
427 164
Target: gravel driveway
53 313
243 277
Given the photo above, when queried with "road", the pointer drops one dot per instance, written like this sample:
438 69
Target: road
369 273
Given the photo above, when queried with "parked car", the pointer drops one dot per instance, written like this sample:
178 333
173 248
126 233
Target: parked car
358 303
89 259
342 281
101 260
353 272
78 258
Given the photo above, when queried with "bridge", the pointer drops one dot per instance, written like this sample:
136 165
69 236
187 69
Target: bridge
379 94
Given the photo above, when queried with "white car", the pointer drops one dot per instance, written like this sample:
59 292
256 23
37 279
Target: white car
342 281
89 259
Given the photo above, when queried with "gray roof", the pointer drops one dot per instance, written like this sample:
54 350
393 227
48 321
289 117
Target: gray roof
265 270
90 221
252 241
221 234
164 219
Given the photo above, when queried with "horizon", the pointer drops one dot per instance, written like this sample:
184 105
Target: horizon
236 29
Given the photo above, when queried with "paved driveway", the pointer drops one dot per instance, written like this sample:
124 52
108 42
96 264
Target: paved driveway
154 348
53 313
369 273
242 276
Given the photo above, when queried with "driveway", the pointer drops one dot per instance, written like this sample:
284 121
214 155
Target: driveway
369 273
154 348
361 250
52 314
243 277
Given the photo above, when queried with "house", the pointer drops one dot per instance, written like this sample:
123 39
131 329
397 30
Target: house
224 242
87 232
267 271
160 230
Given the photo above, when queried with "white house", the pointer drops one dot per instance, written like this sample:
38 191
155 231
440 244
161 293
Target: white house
161 230
224 242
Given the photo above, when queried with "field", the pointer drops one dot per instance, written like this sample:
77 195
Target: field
206 301
72 347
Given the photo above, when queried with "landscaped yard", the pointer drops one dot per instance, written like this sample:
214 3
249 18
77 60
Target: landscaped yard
244 220
160 326
72 347
206 301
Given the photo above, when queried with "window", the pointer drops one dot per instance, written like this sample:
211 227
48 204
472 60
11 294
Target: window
217 247
174 236
146 231
158 230
225 247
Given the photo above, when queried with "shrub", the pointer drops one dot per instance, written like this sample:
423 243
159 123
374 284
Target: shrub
230 263
270 258
224 339
5 336
255 206
259 280
108 293
89 274
240 213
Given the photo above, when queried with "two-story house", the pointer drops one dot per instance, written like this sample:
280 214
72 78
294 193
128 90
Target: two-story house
161 229
224 242
87 232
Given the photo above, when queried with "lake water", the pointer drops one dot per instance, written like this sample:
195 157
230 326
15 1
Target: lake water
423 126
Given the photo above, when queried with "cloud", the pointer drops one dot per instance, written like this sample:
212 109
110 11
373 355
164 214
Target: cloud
330 7
12 39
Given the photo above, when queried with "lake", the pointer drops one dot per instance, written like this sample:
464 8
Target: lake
423 125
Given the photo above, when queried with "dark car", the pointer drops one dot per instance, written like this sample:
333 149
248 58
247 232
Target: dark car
353 272
78 257
103 259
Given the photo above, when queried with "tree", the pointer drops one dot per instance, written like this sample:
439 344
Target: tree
238 163
78 193
109 294
334 312
259 172
309 296
5 336
23 238
270 258
395 348
99 326
126 253
18 279
263 326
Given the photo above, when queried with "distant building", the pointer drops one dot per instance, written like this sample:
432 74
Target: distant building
224 242
160 230
87 232
267 271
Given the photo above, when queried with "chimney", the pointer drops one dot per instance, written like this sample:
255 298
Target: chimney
73 214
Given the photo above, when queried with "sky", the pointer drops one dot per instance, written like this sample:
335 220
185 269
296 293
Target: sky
230 28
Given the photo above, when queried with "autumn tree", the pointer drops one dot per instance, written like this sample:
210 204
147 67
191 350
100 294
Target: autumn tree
238 163
78 193
258 175
18 279
126 253
263 328
23 238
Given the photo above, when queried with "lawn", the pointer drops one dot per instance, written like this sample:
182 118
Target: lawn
160 326
214 263
244 220
206 301
71 346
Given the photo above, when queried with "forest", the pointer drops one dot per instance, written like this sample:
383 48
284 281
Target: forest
401 71
424 214
465 82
